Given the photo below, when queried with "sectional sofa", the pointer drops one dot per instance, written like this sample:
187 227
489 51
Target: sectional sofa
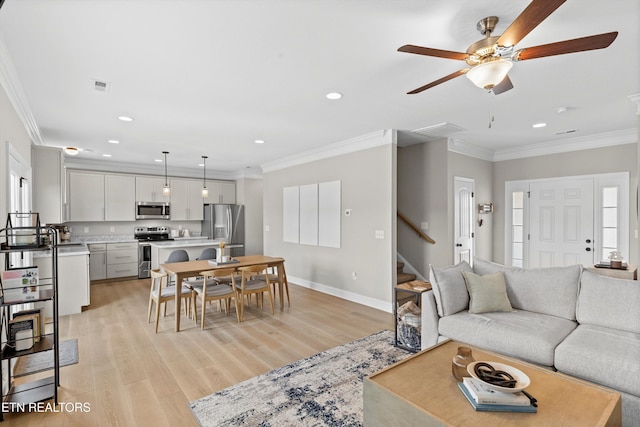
564 318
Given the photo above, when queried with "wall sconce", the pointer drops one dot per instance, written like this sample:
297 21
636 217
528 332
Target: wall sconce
483 209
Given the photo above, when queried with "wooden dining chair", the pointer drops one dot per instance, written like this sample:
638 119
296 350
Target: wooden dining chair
209 290
161 293
251 285
273 279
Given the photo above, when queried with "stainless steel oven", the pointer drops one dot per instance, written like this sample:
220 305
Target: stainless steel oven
145 236
144 259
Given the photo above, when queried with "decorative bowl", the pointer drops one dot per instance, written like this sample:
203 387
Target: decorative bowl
522 380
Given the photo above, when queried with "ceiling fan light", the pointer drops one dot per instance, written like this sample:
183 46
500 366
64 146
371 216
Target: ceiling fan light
488 74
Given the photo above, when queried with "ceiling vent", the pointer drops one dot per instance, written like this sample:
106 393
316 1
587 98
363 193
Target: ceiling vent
101 86
564 132
439 131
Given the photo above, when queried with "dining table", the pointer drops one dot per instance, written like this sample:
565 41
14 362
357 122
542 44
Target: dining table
186 269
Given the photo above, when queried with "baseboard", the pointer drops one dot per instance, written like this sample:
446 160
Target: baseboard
346 295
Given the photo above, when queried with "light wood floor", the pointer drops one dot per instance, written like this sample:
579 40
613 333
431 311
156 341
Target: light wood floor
131 376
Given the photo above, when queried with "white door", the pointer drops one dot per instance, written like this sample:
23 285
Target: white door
463 220
561 222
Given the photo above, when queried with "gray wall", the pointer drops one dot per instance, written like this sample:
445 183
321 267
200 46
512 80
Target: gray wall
249 194
619 158
425 193
368 187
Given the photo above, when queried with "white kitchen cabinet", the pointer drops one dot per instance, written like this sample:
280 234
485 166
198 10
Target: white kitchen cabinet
186 200
100 197
149 189
86 196
122 259
73 281
120 197
97 261
48 184
221 192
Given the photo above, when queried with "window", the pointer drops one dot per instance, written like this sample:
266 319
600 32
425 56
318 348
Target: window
609 229
517 229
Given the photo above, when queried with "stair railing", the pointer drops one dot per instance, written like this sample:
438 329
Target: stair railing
416 229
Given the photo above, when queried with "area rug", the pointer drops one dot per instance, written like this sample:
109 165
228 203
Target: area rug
322 390
44 360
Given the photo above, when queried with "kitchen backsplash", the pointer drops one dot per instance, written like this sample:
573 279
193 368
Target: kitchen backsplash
112 230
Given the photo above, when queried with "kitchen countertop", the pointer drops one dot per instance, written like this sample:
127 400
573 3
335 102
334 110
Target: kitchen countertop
184 243
65 250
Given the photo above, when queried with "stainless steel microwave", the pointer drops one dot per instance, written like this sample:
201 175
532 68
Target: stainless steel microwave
152 210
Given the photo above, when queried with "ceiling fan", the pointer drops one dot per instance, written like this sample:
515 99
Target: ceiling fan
491 58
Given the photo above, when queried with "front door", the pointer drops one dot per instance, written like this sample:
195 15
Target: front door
561 222
463 220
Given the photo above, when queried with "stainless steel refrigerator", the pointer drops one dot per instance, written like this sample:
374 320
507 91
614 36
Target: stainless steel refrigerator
226 223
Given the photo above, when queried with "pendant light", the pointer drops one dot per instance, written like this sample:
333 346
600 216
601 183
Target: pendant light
166 190
205 191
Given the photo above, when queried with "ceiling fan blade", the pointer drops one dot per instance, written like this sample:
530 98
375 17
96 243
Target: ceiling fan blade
437 82
503 86
531 17
419 50
582 44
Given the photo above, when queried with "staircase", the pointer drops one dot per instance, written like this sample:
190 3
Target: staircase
402 276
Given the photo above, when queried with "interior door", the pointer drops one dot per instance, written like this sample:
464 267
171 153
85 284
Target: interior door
463 220
561 222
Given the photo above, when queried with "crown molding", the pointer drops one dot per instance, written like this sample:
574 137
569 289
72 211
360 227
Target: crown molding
11 83
608 139
363 142
144 169
471 150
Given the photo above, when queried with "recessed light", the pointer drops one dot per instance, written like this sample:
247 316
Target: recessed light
113 141
561 110
125 118
259 141
158 160
334 95
539 125
106 155
72 151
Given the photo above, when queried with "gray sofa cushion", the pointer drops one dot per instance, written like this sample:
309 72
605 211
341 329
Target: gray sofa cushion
528 336
449 288
552 291
602 355
609 302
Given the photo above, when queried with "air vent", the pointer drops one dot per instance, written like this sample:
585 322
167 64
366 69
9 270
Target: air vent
101 86
439 131
565 132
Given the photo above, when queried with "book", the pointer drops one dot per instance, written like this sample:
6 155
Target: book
495 407
42 318
20 284
16 337
486 396
35 317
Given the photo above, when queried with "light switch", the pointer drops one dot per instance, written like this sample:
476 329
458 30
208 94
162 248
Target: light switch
266 228
379 234
424 225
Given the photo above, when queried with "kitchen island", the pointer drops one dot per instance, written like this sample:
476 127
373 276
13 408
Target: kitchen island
161 249
73 276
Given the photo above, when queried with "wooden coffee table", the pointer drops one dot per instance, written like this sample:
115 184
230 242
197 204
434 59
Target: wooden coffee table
421 391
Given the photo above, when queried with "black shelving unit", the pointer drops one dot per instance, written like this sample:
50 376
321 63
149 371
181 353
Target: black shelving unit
31 239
